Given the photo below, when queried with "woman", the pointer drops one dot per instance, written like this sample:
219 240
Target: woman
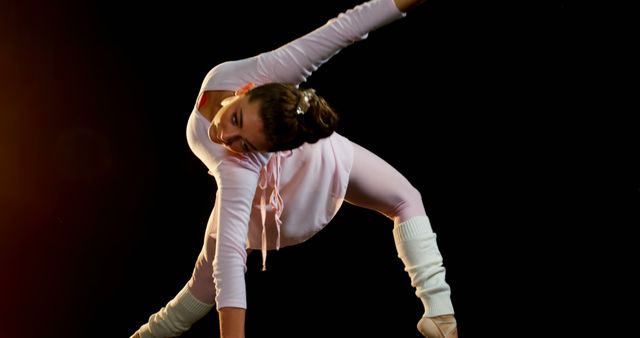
274 154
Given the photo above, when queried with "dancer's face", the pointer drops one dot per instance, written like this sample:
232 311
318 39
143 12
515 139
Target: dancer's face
238 126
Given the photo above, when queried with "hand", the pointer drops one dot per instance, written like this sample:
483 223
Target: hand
407 5
438 327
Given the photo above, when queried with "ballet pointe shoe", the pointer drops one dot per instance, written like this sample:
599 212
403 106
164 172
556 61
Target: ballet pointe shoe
438 327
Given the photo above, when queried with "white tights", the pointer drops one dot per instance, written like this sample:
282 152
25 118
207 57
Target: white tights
374 184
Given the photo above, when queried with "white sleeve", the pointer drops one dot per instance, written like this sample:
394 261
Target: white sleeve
237 182
295 61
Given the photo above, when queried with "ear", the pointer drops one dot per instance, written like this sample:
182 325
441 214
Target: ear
244 89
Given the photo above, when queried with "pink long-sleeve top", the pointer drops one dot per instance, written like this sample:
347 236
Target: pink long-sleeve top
271 200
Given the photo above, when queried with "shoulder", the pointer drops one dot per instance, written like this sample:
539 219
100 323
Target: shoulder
237 168
230 75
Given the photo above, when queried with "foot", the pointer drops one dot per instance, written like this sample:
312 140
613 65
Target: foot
438 327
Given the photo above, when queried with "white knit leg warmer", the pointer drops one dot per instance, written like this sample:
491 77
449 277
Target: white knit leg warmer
176 317
417 248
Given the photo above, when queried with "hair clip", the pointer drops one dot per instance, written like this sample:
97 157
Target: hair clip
303 104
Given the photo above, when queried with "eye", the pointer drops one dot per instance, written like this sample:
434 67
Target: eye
245 146
234 119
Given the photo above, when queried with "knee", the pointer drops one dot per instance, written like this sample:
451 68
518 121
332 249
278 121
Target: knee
411 205
414 196
202 284
203 271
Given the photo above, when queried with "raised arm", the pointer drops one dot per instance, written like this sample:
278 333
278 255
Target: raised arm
295 61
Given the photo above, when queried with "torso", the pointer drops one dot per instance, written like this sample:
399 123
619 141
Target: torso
209 102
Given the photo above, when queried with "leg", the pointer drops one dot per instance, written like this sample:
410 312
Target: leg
376 185
192 303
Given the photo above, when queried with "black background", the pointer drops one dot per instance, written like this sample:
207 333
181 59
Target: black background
104 206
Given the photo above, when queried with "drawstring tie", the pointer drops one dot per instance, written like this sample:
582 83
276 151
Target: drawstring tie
270 177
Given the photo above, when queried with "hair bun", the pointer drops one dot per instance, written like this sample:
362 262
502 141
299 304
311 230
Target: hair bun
320 120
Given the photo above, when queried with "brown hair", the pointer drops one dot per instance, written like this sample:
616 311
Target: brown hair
288 120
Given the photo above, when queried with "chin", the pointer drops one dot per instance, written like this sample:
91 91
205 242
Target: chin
233 151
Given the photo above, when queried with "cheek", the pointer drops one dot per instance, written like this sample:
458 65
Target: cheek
220 117
216 120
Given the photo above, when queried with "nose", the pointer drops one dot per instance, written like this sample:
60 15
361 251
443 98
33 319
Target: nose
226 136
221 137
